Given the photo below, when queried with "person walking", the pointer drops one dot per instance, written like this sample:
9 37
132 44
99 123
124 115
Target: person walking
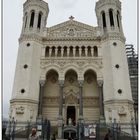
107 135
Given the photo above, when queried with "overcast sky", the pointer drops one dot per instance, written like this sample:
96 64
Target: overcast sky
60 11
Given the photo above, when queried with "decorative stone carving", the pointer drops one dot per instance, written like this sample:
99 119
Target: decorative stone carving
51 101
91 101
81 83
72 29
61 83
31 113
100 83
71 99
42 82
20 110
71 90
122 111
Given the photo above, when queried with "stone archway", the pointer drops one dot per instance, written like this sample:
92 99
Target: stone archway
91 109
51 96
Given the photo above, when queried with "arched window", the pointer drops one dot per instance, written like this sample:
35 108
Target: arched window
77 51
47 51
39 20
59 52
25 20
111 17
83 51
65 51
53 51
71 51
104 19
118 17
32 19
89 51
95 51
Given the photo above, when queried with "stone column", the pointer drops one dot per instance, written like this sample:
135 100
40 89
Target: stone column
115 19
50 51
68 51
62 51
92 53
80 51
56 51
101 104
35 21
60 118
107 19
61 83
74 51
42 83
81 98
86 51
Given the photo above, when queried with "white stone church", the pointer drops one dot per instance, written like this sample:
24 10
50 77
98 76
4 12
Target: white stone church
72 71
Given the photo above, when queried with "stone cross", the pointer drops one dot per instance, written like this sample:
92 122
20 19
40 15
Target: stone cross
71 17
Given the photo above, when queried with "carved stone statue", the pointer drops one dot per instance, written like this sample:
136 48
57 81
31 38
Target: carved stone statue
70 121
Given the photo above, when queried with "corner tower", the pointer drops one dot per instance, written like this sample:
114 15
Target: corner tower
108 14
118 103
35 16
25 94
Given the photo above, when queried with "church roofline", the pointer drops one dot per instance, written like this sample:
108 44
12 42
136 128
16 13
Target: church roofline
72 22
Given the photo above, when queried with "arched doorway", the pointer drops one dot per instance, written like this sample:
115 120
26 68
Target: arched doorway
71 93
50 105
91 108
70 132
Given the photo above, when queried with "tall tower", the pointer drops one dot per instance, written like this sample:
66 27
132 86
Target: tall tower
118 103
24 102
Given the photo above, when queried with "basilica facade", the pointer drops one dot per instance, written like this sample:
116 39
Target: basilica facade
72 71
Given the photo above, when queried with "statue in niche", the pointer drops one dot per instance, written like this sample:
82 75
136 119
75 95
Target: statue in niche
69 121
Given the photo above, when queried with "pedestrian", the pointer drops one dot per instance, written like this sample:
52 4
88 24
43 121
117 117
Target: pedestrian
33 135
53 137
107 135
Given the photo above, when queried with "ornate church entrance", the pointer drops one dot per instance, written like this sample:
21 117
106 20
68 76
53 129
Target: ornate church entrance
70 134
71 115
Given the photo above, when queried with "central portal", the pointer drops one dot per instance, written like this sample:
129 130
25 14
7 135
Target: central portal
71 115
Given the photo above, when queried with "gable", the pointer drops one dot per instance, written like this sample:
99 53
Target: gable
72 29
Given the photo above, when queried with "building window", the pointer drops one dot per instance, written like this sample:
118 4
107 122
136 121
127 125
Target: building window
28 44
59 52
39 20
89 51
65 51
71 51
32 19
47 51
95 51
117 66
83 51
111 17
104 19
77 51
114 43
25 66
119 91
22 91
53 51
